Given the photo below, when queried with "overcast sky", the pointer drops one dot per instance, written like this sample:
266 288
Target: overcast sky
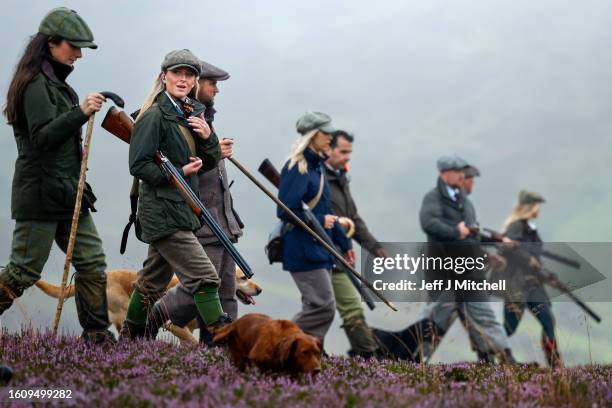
520 88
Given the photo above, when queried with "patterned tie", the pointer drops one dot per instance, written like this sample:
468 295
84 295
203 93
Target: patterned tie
458 197
187 106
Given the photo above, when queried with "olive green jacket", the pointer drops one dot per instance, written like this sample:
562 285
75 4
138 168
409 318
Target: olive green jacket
161 208
48 146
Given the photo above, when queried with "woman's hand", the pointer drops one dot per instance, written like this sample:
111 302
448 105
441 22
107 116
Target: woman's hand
226 146
330 220
92 103
193 167
199 126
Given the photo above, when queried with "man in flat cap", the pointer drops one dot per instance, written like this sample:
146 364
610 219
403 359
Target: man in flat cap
177 304
446 215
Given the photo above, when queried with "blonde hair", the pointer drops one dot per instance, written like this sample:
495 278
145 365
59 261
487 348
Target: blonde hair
520 212
297 152
159 87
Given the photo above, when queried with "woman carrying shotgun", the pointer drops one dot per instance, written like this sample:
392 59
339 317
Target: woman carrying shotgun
171 121
46 117
302 180
524 289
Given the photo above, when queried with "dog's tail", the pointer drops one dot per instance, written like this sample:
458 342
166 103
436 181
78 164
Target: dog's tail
222 335
53 290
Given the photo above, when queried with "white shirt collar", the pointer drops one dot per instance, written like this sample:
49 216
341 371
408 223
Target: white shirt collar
451 192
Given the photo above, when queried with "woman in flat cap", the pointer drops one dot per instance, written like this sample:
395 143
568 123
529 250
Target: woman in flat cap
172 121
302 181
525 290
47 117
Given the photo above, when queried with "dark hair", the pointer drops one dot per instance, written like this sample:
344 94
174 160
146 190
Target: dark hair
341 133
27 68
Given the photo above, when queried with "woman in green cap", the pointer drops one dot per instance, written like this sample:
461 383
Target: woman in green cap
172 121
46 117
524 289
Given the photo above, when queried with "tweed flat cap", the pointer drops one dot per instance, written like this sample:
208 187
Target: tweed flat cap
181 58
471 171
530 197
314 120
66 23
451 162
209 71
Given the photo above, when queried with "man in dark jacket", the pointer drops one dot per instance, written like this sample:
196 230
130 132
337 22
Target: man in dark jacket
178 305
348 301
446 215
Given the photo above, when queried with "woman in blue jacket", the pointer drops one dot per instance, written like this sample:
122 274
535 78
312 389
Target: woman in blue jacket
303 181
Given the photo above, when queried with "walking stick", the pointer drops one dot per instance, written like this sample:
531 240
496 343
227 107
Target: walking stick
77 208
309 230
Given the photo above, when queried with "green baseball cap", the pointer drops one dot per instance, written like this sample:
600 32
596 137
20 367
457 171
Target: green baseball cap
530 197
66 23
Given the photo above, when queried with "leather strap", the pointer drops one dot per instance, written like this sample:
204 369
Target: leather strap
313 203
132 219
188 138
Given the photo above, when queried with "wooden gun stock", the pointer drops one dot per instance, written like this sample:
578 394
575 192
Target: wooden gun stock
118 123
270 173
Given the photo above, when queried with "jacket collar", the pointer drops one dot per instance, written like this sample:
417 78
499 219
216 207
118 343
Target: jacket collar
334 174
312 158
55 71
167 108
209 115
444 192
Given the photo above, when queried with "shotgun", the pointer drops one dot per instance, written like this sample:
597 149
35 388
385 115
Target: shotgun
544 275
497 237
118 123
273 176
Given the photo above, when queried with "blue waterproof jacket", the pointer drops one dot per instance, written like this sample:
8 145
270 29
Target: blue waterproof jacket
301 252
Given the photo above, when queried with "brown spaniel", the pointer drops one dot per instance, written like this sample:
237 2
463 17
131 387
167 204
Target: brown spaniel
272 345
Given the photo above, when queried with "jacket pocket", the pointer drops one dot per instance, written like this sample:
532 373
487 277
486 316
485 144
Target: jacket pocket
169 193
177 212
58 194
313 251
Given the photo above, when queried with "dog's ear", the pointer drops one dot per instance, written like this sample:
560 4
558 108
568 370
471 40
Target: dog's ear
319 344
224 334
286 350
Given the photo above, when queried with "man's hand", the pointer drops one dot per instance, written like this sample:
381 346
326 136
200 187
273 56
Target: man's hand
330 220
226 145
193 167
350 256
464 231
199 126
381 253
534 263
